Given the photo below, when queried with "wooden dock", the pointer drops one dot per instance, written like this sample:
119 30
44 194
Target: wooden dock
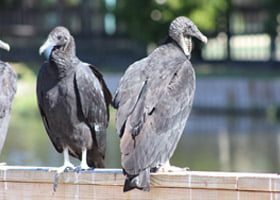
37 183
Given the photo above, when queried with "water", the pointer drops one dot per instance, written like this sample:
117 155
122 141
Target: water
230 143
210 142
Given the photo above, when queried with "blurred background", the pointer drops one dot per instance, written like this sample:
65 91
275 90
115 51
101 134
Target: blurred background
234 124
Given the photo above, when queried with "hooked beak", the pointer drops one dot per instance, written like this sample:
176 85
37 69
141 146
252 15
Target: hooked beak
195 32
201 37
47 46
4 45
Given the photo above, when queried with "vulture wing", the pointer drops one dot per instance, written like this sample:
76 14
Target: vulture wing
131 85
161 107
92 102
44 82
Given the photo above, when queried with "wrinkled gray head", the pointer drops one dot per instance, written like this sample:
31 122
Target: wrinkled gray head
4 45
181 30
59 37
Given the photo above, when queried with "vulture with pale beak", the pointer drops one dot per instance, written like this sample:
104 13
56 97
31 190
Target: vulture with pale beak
154 99
73 100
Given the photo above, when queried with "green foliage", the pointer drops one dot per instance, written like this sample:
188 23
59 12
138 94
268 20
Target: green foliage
273 19
148 20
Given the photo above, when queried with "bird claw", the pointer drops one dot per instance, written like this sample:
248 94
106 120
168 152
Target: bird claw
59 170
80 168
67 169
172 169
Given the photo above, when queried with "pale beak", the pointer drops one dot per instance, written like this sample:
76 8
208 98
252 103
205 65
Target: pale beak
4 45
204 39
46 46
196 33
201 37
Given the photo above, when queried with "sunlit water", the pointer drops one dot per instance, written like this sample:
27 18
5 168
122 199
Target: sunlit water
210 142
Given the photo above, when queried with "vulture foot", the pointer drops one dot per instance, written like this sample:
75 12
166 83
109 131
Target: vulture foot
80 168
169 168
64 168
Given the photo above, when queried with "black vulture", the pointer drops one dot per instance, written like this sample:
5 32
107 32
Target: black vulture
154 99
73 100
8 87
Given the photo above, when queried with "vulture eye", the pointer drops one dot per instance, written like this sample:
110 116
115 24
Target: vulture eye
59 37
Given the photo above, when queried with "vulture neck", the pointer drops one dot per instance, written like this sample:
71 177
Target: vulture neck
63 59
184 45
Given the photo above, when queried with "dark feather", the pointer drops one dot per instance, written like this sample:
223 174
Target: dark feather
8 86
73 101
154 99
106 91
151 115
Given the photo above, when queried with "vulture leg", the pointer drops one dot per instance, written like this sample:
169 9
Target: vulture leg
83 165
169 168
67 164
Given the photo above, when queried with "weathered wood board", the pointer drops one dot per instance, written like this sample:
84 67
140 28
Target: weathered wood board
37 183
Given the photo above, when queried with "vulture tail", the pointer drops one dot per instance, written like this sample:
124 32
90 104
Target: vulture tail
140 181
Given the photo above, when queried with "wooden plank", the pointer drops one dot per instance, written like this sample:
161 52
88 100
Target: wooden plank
219 180
38 175
18 182
86 192
192 179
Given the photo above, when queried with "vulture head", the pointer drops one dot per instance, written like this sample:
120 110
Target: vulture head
4 45
182 29
59 38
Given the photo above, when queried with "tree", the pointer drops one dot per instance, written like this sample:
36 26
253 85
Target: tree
148 20
273 20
